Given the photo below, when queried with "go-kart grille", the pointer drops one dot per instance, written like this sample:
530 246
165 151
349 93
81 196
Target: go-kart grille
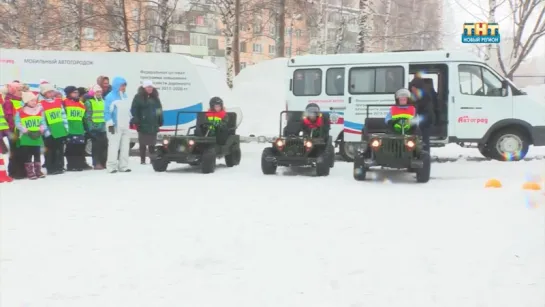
393 148
294 147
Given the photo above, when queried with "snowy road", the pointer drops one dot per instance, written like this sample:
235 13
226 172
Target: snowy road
238 238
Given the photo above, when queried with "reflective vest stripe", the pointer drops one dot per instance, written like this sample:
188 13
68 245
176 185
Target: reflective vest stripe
3 122
17 104
97 111
31 122
53 111
406 112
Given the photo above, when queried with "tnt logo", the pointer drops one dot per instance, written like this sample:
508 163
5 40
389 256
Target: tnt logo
481 33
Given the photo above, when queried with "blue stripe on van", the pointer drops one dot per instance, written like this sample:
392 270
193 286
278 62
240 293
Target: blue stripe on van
169 116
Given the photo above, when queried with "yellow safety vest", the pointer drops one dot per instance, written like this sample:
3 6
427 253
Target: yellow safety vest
97 108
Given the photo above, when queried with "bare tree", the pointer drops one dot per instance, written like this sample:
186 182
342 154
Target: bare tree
322 29
159 20
227 12
365 26
339 37
124 23
525 33
28 24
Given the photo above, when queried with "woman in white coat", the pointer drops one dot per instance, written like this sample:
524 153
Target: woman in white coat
117 113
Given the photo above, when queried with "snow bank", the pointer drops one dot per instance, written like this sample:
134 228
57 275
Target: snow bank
260 91
536 91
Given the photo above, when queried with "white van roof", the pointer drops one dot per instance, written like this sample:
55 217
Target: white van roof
383 57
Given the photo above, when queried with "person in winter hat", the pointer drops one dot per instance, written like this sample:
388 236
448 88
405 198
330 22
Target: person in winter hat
218 118
13 102
117 113
75 142
315 122
56 129
104 83
4 129
147 116
96 126
31 125
400 117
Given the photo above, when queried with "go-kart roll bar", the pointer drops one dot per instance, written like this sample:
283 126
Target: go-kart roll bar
178 118
280 129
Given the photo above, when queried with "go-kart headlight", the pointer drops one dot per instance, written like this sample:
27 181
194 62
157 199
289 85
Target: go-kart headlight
308 144
375 143
279 143
190 142
410 144
165 142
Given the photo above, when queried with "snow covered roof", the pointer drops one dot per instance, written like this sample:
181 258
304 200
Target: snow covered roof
386 57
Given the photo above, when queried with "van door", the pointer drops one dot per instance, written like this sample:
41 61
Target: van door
371 84
478 101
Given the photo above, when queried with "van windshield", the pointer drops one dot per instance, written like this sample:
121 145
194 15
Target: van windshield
514 89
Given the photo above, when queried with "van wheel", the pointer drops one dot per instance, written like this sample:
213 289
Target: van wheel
510 144
483 149
347 151
208 160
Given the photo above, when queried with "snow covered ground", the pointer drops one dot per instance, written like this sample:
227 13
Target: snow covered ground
239 238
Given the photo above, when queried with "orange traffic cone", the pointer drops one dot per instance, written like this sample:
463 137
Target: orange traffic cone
3 174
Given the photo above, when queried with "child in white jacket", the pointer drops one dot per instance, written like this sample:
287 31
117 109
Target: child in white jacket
117 114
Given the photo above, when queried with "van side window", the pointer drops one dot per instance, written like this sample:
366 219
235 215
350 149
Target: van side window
307 82
478 81
376 80
334 82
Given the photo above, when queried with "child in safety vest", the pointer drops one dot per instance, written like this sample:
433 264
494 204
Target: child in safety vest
31 125
96 126
75 142
4 128
217 117
12 104
314 122
56 129
400 117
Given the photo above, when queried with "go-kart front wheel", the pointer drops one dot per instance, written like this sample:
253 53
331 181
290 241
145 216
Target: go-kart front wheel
323 165
423 174
360 172
268 165
159 165
233 158
208 160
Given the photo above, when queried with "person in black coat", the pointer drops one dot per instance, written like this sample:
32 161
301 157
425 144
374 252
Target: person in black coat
424 109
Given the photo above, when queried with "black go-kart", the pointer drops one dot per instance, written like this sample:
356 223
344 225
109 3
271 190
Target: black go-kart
380 146
199 147
292 148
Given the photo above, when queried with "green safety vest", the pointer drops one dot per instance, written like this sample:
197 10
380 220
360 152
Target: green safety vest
97 109
75 111
3 122
17 104
32 124
53 117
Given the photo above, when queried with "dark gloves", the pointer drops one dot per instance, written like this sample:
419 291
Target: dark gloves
111 129
34 134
